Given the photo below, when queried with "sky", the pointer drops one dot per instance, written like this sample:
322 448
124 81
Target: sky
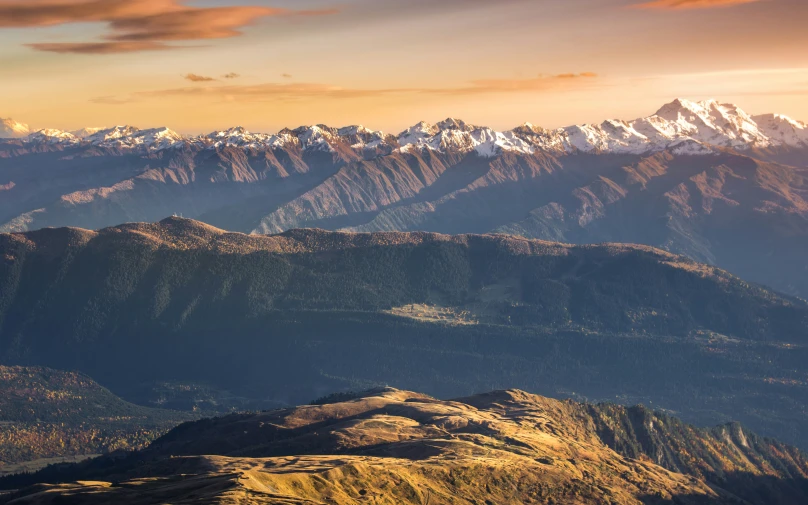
199 66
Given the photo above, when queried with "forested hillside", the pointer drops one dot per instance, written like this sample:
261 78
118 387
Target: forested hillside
291 317
47 415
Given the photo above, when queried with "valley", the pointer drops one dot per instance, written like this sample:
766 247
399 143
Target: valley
282 319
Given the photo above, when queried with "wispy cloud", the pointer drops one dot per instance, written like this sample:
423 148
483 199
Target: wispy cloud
539 83
197 78
301 91
111 100
98 47
136 25
691 4
737 72
231 75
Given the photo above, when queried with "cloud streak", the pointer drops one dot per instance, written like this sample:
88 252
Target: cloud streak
302 91
691 4
111 100
539 83
197 78
137 25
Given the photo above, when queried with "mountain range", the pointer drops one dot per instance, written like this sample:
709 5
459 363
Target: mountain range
681 124
285 318
703 179
396 447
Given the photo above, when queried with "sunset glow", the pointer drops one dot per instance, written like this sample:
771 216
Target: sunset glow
200 65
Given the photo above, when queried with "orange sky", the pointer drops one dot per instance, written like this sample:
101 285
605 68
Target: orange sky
202 65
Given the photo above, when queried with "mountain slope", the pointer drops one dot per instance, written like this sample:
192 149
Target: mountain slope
393 446
287 317
12 129
48 414
698 178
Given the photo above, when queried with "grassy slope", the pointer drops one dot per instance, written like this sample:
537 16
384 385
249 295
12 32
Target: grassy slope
392 446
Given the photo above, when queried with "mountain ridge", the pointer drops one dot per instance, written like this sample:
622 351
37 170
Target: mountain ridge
713 185
394 446
708 123
310 311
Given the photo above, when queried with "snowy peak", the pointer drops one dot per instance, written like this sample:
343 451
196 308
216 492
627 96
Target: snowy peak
455 124
83 133
234 132
129 137
52 136
111 134
123 137
714 123
681 106
354 130
154 138
687 126
782 130
457 135
418 132
10 129
241 137
682 125
529 129
361 138
317 138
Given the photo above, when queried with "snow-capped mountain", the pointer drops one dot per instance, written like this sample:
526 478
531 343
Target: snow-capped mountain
83 133
703 179
131 137
684 125
782 130
10 129
52 136
240 137
677 124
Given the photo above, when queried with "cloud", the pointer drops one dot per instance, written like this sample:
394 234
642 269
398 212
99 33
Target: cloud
301 91
231 75
539 83
197 78
269 91
99 47
691 4
111 100
136 25
286 76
